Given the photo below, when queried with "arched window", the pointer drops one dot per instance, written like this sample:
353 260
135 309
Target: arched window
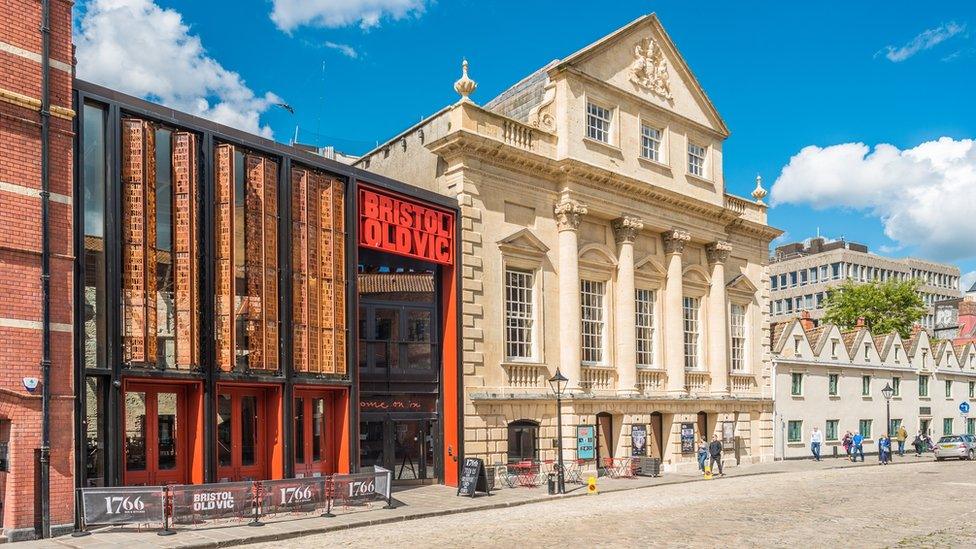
523 436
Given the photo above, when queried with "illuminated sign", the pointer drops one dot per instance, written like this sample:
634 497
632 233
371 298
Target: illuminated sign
396 225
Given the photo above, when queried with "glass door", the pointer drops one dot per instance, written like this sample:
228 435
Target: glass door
240 434
154 446
313 449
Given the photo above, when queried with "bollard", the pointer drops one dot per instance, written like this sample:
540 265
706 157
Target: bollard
551 484
708 472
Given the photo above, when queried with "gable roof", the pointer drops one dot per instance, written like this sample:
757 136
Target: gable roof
780 330
680 65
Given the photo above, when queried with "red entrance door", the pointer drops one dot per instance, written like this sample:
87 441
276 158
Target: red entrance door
241 434
313 445
155 449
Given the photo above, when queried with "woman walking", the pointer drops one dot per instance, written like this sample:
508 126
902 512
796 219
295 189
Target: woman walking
702 454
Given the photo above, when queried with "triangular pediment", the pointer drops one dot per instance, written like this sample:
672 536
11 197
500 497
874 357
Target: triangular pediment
525 242
642 60
741 283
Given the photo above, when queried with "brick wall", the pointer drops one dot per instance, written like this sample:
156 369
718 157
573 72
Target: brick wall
20 246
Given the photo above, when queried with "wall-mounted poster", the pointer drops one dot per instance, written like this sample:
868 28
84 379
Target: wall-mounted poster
585 442
728 433
687 438
638 440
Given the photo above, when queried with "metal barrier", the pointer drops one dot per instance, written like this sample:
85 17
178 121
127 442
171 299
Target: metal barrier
194 504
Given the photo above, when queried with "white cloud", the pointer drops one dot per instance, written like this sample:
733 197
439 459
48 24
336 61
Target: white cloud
137 47
967 280
344 49
923 196
290 14
886 249
929 38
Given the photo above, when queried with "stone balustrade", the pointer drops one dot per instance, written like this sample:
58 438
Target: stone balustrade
526 376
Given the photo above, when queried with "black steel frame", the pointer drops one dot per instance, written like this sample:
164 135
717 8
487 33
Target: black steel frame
209 134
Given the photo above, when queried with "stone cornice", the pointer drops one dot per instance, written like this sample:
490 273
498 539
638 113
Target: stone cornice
462 142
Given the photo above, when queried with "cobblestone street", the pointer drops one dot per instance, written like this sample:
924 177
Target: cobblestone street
925 504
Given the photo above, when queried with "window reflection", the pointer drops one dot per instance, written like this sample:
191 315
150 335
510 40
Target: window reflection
94 174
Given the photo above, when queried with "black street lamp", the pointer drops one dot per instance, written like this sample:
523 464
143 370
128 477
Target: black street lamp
888 392
558 384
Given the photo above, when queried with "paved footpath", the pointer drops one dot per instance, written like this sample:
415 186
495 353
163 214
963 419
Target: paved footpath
508 515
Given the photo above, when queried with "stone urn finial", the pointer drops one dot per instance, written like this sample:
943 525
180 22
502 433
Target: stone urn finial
465 86
759 192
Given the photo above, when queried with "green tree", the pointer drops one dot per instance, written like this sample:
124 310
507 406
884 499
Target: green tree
893 305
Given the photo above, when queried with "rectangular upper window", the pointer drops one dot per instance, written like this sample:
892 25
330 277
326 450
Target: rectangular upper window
896 386
690 321
593 323
696 159
651 142
948 388
645 327
832 384
796 384
519 314
598 122
737 328
923 386
866 385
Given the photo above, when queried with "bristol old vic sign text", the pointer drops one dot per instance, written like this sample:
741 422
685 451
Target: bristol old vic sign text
397 225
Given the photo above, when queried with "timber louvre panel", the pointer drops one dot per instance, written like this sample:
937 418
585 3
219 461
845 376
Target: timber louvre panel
185 249
261 262
224 284
318 285
139 242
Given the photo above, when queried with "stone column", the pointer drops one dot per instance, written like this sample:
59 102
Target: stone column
625 231
718 360
674 348
568 215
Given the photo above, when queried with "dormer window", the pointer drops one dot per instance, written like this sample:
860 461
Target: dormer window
897 348
796 345
598 121
867 352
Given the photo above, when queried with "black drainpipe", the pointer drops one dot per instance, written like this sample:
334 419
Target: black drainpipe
45 457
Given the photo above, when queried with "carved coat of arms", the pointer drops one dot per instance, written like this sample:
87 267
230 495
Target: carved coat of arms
650 69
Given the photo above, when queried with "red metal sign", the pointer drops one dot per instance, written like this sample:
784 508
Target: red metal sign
393 224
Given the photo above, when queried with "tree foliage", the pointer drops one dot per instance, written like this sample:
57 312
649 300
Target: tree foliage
893 305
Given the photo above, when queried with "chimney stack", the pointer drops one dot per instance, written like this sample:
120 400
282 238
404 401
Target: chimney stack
806 322
860 322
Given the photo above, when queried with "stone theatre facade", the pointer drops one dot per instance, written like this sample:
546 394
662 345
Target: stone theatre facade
597 238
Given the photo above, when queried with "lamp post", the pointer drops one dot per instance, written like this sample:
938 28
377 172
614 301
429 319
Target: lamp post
888 392
558 384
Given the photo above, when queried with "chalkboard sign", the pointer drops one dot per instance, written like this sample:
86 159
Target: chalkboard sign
473 477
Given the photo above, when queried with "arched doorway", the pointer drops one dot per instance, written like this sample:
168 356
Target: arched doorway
605 441
703 426
655 438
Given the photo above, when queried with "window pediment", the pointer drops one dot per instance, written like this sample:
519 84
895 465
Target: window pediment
523 243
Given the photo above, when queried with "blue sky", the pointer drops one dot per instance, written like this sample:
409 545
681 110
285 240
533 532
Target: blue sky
796 76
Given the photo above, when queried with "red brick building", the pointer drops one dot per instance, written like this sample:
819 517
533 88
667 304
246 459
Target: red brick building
21 315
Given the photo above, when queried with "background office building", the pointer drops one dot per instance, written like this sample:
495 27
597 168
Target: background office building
801 272
597 238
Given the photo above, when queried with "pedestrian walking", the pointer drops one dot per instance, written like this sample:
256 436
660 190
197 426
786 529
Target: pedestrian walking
884 449
858 441
816 439
901 436
847 443
919 444
715 451
702 453
929 445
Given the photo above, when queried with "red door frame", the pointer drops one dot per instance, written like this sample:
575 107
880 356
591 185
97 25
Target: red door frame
328 462
268 448
189 447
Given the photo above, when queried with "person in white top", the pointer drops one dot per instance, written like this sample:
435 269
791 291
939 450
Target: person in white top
816 439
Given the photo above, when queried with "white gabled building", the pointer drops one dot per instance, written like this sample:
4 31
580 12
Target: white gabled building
832 379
